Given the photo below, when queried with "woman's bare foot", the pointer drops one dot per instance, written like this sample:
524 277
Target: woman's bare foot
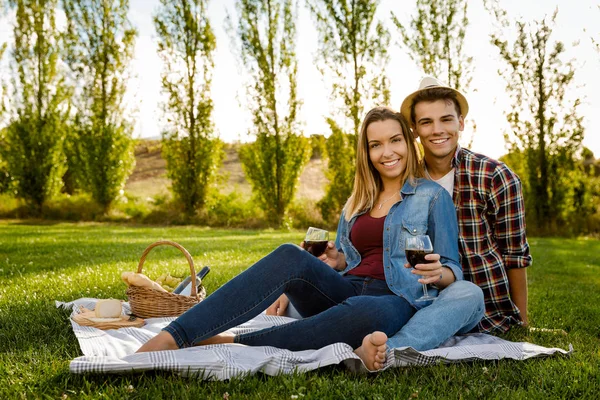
225 337
162 341
372 350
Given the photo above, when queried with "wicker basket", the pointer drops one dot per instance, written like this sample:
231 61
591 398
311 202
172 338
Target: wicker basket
150 303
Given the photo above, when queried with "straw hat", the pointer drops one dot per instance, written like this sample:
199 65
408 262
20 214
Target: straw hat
427 83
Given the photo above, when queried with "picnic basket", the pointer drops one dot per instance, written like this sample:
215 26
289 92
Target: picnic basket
150 303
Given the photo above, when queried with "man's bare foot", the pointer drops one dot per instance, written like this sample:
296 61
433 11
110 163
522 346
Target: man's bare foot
162 341
372 350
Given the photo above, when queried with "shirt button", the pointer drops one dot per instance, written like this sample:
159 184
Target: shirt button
387 249
414 230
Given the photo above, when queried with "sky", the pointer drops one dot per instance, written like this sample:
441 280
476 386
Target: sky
577 21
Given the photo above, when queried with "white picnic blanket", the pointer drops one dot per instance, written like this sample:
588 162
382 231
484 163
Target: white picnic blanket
113 351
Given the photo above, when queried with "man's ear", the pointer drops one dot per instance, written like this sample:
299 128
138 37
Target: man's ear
461 123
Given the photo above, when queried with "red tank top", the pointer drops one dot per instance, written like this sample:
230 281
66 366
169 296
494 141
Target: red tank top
367 237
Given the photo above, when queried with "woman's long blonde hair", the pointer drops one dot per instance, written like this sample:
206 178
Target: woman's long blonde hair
367 182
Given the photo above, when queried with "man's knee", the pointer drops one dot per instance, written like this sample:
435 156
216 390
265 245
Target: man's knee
463 291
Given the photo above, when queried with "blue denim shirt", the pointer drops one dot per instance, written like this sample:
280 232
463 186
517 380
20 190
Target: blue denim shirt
426 209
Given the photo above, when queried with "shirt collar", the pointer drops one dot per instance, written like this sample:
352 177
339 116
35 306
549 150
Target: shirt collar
457 157
409 188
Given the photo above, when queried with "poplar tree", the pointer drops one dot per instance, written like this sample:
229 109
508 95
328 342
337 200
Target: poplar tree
100 43
352 56
435 39
4 175
37 100
546 129
186 43
266 33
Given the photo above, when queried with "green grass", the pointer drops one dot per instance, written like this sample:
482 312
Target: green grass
46 262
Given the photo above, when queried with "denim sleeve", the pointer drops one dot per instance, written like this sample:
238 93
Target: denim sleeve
443 231
338 233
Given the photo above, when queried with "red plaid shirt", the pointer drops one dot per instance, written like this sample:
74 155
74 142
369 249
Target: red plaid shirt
491 219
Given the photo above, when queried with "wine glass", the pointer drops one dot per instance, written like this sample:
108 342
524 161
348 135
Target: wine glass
316 240
416 248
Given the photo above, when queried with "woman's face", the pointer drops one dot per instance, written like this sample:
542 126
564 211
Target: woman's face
387 148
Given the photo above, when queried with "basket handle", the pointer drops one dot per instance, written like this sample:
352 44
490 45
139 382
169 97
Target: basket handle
194 292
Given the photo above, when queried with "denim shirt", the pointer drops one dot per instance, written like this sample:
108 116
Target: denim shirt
426 209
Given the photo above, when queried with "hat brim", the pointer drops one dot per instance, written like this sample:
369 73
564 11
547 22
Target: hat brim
408 101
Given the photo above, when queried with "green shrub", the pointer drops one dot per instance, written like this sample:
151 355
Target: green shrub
232 210
304 213
79 207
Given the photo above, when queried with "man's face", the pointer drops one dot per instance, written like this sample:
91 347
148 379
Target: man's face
438 125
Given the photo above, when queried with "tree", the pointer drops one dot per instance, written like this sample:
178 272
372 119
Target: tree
100 42
186 43
435 41
4 175
353 55
546 129
35 133
273 163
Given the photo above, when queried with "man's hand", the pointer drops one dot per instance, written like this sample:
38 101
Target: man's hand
279 307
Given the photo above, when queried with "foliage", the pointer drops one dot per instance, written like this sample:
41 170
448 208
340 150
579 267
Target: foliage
435 42
274 161
71 261
340 172
436 38
353 56
318 144
548 132
100 43
186 43
33 139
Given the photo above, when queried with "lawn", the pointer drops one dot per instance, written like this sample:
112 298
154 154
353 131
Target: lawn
46 262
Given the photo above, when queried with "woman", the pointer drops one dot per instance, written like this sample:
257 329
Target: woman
360 291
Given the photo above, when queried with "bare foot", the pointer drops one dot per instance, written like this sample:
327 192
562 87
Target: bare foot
372 350
162 341
225 337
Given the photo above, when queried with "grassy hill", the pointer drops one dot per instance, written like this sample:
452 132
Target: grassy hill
149 178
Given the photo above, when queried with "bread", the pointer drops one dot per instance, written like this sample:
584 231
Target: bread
140 280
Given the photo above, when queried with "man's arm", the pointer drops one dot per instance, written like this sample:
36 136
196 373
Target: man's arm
511 236
517 279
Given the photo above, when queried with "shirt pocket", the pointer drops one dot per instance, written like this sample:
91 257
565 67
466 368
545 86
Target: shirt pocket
406 229
414 228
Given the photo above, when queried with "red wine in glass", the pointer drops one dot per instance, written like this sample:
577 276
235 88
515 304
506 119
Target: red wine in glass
416 248
315 247
316 240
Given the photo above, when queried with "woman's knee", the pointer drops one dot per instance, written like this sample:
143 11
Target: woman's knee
289 256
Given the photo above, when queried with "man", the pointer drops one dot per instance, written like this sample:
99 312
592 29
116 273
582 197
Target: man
489 204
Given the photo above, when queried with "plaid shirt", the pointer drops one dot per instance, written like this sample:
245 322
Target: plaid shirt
492 240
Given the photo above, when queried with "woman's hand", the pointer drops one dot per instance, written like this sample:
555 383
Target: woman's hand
279 307
433 272
331 256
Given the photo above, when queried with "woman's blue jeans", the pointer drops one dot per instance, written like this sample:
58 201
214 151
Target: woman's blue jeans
335 308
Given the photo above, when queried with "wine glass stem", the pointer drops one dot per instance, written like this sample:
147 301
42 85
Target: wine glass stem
425 294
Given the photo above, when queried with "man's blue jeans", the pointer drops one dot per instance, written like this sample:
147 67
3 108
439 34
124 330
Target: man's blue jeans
335 308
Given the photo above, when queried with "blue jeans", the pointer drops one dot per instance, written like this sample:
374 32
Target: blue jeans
457 310
334 308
